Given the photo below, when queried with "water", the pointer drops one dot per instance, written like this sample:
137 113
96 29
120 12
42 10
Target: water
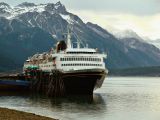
120 98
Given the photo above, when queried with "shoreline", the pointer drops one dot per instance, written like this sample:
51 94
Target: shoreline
10 114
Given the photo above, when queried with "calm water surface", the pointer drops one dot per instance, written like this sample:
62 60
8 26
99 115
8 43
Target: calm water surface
120 98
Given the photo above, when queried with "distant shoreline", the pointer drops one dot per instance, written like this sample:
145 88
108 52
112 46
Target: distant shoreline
9 114
139 71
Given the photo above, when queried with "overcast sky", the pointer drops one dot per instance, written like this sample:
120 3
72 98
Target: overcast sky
142 16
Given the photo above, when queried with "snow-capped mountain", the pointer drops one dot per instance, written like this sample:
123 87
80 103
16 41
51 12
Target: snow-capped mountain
120 34
29 28
13 12
5 9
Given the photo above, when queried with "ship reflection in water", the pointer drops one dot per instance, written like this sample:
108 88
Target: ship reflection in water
120 98
61 108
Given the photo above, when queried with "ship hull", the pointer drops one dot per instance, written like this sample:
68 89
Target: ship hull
83 82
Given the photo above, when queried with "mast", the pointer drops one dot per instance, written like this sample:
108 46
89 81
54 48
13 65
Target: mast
69 45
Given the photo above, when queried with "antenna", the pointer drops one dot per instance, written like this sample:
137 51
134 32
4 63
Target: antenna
78 40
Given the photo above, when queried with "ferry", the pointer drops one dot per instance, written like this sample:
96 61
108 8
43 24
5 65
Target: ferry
83 69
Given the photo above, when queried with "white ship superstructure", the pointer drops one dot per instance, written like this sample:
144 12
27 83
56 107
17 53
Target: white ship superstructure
66 58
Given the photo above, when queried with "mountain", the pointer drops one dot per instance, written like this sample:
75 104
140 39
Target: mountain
29 28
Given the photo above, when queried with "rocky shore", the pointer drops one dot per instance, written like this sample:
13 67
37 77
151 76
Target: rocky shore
8 114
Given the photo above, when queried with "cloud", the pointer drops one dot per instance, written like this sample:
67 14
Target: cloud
139 7
145 26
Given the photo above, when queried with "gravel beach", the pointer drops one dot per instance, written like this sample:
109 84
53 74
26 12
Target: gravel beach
8 114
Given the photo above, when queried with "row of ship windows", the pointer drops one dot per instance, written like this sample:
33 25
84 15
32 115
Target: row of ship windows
47 65
81 52
78 64
80 59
